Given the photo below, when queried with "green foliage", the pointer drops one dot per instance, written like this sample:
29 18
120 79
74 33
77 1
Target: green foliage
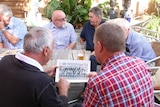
154 24
157 6
155 1
105 7
76 10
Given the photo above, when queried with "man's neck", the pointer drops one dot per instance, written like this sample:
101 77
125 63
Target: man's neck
97 24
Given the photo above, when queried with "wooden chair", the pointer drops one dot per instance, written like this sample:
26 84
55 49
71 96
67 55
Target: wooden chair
156 69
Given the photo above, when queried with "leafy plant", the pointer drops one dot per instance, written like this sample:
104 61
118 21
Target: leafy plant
154 24
76 10
157 6
106 6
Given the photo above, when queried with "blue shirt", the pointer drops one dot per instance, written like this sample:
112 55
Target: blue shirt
17 28
62 36
138 46
88 34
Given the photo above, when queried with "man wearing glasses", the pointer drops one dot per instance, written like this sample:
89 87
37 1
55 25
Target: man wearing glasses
12 29
64 34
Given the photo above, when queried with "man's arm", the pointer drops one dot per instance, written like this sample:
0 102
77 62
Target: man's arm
82 40
1 45
73 37
157 86
71 46
18 33
11 38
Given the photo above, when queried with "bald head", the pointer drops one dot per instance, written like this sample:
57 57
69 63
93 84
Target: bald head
58 14
59 18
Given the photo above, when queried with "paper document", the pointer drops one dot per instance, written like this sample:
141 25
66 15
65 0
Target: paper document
74 71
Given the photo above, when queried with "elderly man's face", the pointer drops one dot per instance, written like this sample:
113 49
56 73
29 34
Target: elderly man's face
60 20
5 19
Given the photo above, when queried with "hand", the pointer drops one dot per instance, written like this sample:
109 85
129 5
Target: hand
63 86
51 71
93 53
1 24
91 74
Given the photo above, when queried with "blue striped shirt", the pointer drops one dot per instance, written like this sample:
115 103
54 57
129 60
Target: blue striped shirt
62 36
18 29
138 46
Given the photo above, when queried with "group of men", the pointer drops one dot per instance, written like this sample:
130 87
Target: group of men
122 81
13 30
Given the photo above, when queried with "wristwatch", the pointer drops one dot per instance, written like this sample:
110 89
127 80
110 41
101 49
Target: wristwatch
3 30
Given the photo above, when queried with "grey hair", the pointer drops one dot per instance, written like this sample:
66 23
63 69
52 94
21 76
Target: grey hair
121 22
36 39
111 36
97 11
5 10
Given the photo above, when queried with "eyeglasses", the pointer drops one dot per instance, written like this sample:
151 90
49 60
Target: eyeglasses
62 19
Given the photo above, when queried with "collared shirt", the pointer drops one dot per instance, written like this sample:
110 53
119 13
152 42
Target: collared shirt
88 34
122 82
138 46
28 60
17 28
62 36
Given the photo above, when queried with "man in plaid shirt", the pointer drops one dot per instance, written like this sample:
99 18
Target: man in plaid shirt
123 81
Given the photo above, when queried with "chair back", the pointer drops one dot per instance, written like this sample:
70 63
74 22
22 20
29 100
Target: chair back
149 34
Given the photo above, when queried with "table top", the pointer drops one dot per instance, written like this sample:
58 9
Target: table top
67 54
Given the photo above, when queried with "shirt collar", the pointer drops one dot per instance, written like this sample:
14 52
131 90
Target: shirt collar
112 59
128 41
52 25
28 60
10 25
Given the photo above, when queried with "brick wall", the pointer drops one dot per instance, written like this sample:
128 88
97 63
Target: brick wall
17 6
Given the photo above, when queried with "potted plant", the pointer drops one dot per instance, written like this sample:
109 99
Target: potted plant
76 10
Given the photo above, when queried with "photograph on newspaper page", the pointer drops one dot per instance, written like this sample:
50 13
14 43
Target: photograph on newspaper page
75 71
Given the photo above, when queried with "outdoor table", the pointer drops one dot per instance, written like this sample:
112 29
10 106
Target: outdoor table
68 54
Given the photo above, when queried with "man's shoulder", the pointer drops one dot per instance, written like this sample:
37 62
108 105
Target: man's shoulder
87 23
49 25
87 26
16 20
69 25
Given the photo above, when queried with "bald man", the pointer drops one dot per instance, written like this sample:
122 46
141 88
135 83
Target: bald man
64 34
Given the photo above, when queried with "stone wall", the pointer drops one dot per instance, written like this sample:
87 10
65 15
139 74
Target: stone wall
17 6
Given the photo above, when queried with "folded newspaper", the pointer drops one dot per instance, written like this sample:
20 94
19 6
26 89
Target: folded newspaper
75 71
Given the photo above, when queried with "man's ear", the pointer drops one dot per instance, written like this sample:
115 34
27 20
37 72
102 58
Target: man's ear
100 46
46 51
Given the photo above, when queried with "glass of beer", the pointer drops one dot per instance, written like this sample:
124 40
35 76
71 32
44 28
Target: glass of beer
80 55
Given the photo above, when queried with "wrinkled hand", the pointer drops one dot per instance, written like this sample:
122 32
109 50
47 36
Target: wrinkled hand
51 71
1 24
63 86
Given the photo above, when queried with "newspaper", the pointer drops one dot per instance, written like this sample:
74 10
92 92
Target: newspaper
75 71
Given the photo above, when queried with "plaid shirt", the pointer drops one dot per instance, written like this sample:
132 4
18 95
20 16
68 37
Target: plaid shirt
122 82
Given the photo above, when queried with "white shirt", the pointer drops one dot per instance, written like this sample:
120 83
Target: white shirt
28 60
